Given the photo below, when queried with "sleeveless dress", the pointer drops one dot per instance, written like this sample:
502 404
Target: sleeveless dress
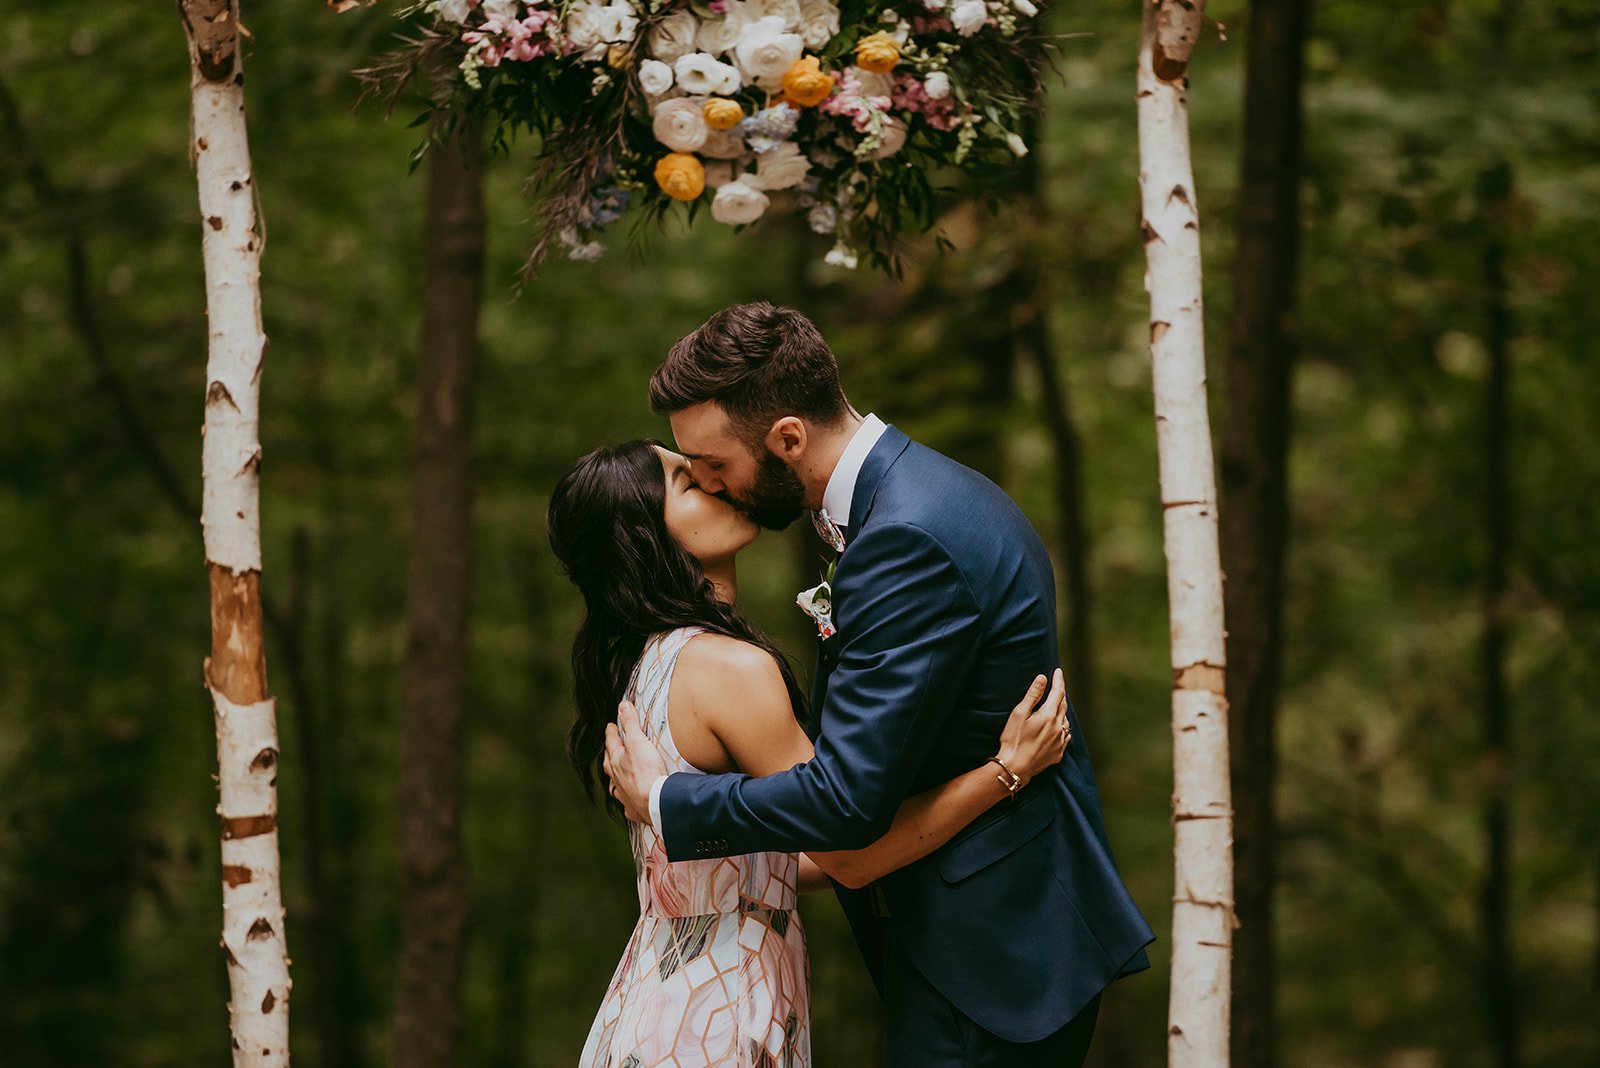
716 972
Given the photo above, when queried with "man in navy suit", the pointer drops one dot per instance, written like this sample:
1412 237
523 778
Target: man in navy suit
993 950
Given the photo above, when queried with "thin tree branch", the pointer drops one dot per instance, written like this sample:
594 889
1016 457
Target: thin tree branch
85 318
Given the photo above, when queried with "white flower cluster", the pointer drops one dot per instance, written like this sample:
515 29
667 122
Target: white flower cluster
726 83
750 43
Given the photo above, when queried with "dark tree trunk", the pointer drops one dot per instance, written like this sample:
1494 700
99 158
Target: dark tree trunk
1500 986
335 991
1032 339
1254 502
1072 531
434 892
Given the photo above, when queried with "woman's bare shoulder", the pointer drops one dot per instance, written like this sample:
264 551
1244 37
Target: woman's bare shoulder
712 663
734 692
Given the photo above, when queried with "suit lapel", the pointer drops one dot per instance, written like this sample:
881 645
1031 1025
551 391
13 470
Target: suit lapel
888 449
882 457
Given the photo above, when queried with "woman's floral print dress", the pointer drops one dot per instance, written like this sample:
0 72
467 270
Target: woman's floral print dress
716 971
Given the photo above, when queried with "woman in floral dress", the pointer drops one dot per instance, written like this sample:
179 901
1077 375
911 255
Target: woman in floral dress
715 973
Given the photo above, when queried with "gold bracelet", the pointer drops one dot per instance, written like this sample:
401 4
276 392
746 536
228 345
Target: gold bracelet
1007 778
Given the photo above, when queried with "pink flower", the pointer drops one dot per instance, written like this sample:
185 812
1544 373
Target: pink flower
912 95
515 39
489 53
848 101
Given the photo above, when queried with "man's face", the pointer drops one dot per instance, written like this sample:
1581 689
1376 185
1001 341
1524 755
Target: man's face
758 483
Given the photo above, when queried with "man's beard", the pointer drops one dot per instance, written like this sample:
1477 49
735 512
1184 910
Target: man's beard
777 498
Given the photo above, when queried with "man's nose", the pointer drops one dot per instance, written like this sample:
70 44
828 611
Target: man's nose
704 478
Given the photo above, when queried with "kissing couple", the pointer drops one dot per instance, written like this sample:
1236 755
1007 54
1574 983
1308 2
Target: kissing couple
942 792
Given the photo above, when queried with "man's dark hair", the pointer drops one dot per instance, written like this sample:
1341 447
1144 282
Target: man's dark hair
759 362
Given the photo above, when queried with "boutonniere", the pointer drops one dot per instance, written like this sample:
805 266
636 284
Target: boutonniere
817 602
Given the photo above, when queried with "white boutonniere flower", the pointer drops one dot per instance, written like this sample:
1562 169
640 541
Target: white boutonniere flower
817 602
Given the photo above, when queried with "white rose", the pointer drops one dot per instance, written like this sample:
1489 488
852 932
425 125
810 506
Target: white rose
701 75
584 25
934 5
873 83
680 124
719 172
618 23
765 52
719 35
1018 146
968 17
819 22
501 9
453 10
673 36
790 11
737 203
780 167
655 77
817 602
724 144
937 85
891 138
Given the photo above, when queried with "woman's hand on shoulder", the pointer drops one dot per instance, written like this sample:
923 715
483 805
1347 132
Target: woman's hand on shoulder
1037 732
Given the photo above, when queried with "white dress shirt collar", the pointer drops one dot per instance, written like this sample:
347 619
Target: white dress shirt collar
841 489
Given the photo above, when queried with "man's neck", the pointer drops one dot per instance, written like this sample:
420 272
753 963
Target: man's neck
823 451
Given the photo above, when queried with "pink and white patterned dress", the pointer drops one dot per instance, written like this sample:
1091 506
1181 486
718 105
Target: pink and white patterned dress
716 971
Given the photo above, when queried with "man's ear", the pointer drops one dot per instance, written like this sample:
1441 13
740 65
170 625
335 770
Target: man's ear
787 439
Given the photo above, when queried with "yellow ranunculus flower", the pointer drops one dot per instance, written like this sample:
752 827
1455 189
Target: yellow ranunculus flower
723 114
681 175
619 56
878 53
805 84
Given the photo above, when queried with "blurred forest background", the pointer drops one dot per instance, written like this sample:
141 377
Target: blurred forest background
1436 729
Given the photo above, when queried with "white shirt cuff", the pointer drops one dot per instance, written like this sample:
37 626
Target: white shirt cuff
655 805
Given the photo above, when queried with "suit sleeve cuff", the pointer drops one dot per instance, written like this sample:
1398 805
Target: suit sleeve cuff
655 806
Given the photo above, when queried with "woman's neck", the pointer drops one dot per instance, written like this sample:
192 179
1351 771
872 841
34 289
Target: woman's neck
724 578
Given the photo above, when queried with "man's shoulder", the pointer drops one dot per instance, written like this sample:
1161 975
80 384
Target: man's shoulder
928 489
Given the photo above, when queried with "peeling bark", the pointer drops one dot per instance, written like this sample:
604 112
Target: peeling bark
1202 910
254 939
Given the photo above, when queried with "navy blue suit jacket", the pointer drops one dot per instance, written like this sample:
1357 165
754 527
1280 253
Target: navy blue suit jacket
944 600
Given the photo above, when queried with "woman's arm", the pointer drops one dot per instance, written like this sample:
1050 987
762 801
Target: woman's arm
763 737
1032 741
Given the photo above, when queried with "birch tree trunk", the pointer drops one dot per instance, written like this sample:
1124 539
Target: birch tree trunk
1202 908
253 935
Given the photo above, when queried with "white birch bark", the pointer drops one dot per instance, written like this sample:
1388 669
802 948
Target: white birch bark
1202 908
253 929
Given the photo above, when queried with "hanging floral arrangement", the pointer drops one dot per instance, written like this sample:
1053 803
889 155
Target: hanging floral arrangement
849 112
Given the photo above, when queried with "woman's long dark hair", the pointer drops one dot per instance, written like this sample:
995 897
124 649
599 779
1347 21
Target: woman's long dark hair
607 525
